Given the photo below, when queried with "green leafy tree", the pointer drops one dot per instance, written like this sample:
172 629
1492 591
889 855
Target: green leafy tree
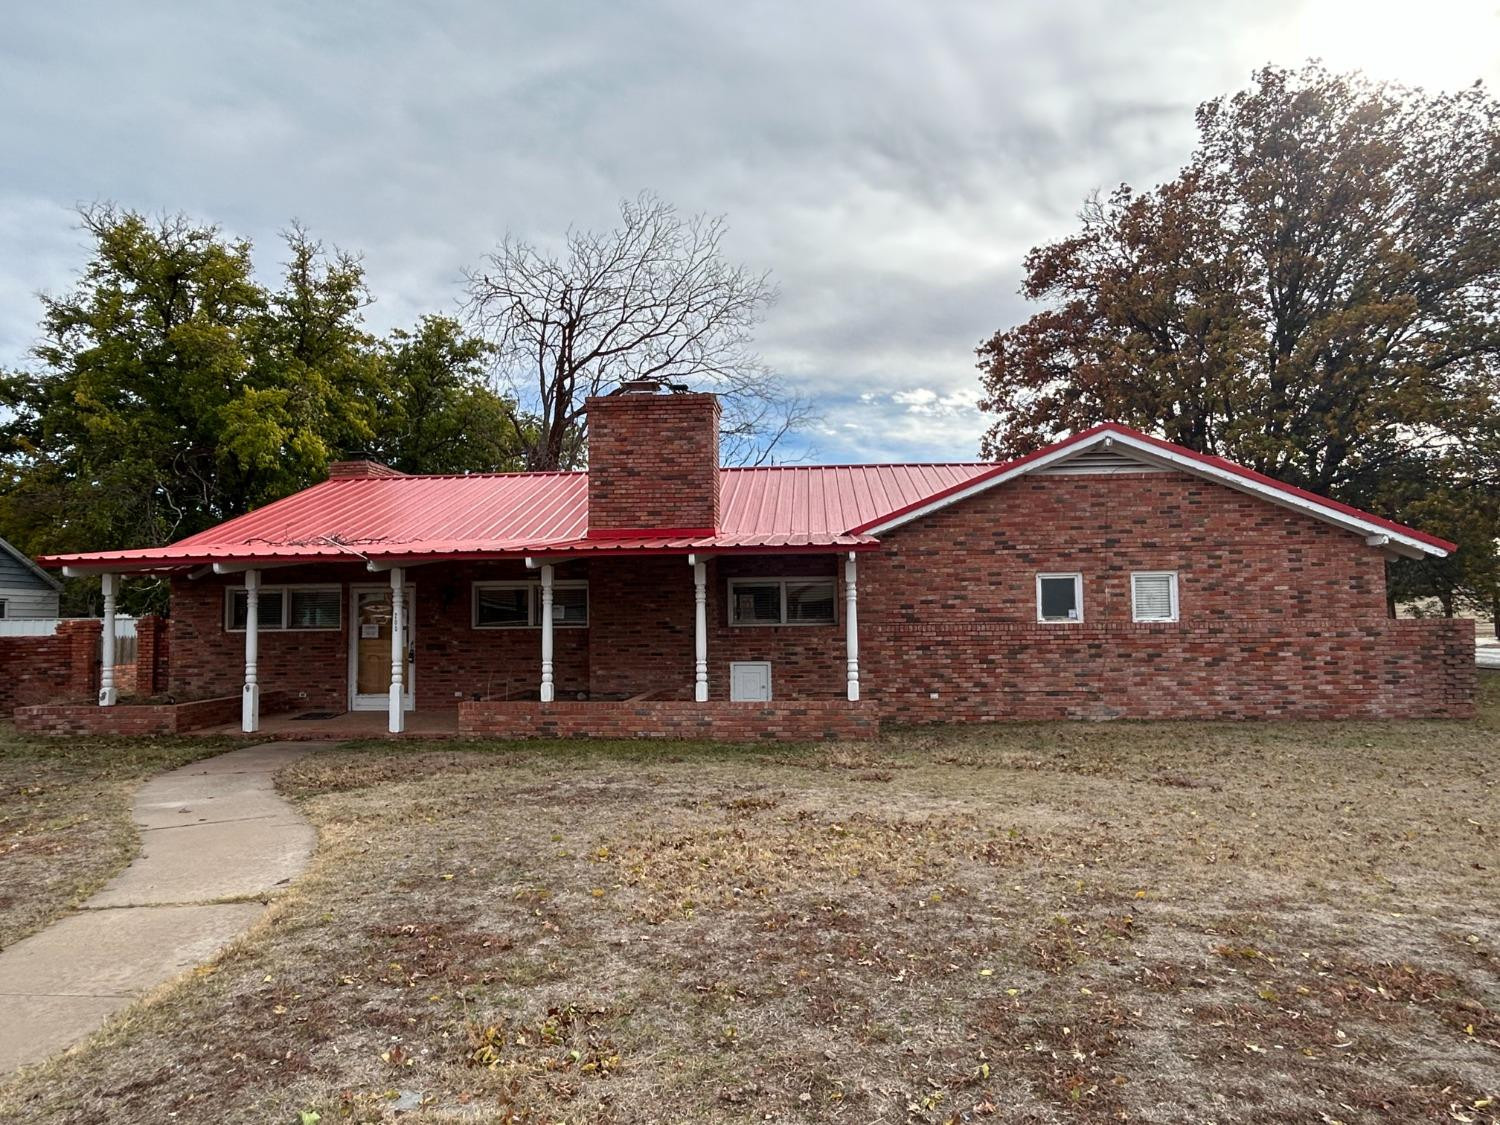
1316 294
438 413
173 391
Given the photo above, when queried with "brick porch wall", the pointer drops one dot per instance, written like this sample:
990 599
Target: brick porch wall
139 719
64 666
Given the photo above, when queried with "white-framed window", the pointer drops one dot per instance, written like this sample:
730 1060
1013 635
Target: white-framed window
1059 598
298 608
518 605
1153 595
2 609
782 601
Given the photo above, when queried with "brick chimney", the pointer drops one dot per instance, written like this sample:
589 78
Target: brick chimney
653 461
343 470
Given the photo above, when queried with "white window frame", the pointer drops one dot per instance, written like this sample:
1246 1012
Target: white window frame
533 603
783 583
1077 578
1135 613
286 593
4 608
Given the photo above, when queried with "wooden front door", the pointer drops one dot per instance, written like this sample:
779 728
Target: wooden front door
370 648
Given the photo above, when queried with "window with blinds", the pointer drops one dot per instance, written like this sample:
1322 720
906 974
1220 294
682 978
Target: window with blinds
782 601
303 608
518 605
1153 595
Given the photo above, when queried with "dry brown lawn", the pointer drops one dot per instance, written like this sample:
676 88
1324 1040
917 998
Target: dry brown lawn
1041 923
65 824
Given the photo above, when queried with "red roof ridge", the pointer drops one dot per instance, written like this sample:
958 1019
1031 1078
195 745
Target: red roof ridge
860 465
462 476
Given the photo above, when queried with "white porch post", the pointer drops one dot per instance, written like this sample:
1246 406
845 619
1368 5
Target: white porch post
250 699
398 651
851 625
108 696
546 693
700 629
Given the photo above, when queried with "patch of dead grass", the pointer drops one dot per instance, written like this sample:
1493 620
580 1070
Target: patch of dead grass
1143 922
65 821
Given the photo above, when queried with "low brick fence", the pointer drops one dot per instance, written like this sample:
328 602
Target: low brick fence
1374 668
806 721
64 665
140 718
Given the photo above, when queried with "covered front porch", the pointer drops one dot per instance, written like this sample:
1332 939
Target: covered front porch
613 643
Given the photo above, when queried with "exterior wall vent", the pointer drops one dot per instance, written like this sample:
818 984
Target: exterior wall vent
1100 460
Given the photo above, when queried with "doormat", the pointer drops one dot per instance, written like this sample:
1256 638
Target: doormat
316 715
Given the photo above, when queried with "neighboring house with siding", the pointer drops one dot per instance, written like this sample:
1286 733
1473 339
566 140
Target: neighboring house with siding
26 590
1110 575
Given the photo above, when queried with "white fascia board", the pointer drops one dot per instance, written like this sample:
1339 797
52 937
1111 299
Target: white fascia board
1394 540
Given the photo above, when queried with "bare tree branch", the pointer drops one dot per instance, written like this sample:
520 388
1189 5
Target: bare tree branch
651 299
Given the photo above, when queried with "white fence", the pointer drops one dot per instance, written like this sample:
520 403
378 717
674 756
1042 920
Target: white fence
47 627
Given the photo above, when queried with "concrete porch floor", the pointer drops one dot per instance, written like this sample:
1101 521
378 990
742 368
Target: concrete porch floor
286 726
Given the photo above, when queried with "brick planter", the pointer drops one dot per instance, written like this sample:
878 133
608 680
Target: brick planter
812 720
139 718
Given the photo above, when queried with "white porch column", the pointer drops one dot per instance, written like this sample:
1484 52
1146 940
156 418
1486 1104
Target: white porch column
851 625
108 696
546 693
250 699
700 629
398 651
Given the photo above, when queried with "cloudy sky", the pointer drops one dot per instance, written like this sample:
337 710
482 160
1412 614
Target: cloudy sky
889 163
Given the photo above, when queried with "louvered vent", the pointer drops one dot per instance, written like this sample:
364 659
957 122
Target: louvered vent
1154 596
1100 460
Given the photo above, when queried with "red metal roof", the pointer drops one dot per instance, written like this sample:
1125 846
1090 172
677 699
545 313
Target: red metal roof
807 508
515 514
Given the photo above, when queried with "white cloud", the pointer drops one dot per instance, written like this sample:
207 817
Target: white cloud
890 162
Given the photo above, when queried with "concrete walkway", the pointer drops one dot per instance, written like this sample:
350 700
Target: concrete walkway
210 831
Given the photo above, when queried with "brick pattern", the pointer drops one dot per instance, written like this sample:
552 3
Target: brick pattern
43 669
653 462
140 719
152 654
641 631
455 661
1280 615
1310 669
804 721
207 661
363 467
807 661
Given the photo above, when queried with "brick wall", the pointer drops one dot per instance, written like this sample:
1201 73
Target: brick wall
456 661
1280 615
641 626
153 654
140 719
807 661
64 666
207 661
653 462
1310 669
808 720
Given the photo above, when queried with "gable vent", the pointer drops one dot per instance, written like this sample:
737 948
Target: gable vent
1099 460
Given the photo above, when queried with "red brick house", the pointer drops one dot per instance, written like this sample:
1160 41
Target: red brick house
1110 575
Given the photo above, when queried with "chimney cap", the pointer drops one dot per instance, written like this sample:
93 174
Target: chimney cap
639 387
360 467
